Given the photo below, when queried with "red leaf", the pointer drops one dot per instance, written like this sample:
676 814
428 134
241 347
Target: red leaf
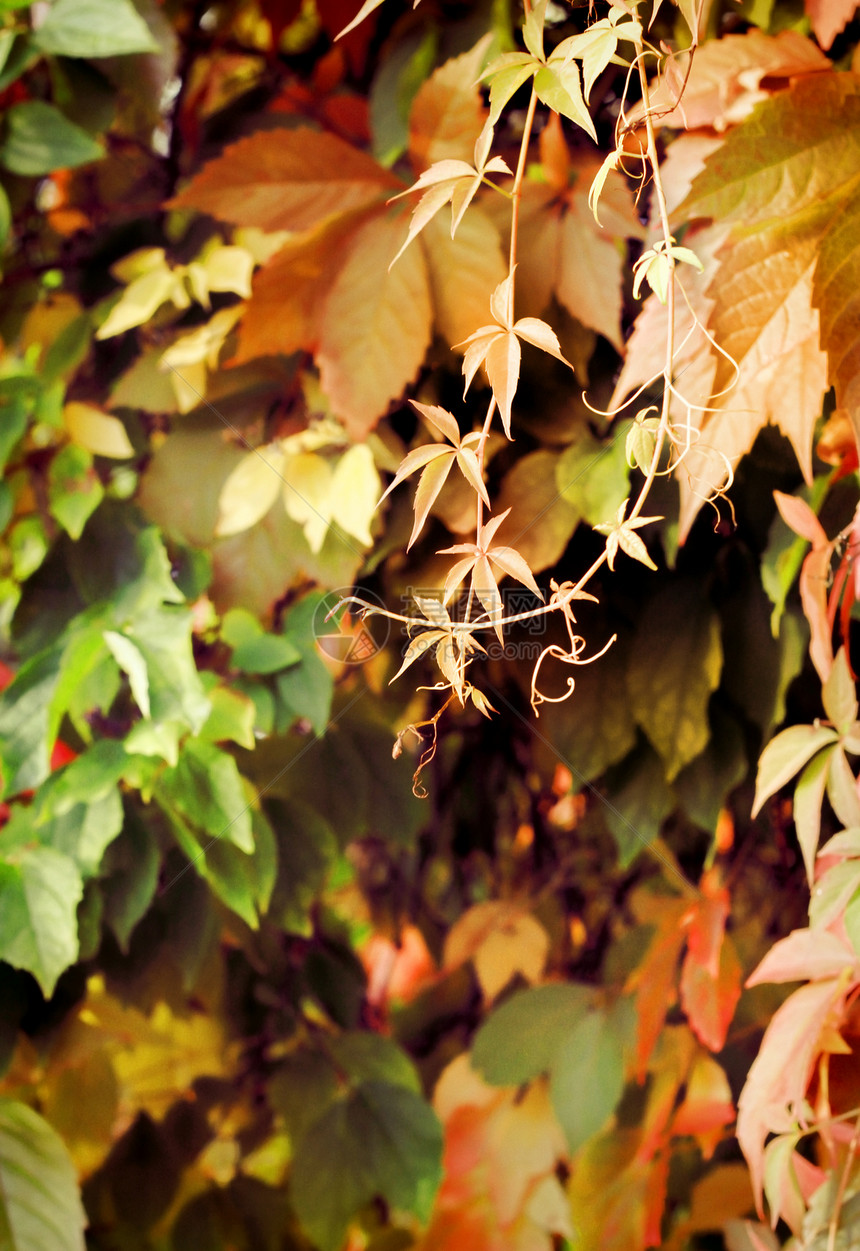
710 1001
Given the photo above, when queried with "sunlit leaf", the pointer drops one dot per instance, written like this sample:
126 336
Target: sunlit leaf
41 1208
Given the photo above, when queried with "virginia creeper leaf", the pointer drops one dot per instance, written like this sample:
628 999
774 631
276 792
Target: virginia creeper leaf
670 700
40 1208
39 139
587 1077
520 1039
93 28
375 326
378 1140
286 180
786 755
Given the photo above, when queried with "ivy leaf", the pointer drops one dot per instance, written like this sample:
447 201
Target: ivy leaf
380 1140
447 111
93 28
795 200
206 787
808 800
41 1208
286 180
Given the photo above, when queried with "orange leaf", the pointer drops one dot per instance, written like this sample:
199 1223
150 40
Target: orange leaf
654 980
375 326
286 180
710 1000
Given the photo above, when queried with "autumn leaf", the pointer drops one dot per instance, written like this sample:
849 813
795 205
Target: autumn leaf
286 180
436 461
621 536
375 326
447 111
478 560
451 182
464 272
726 77
501 939
829 17
497 348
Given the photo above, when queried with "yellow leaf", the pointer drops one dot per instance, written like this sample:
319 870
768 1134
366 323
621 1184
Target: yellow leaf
143 297
355 490
375 325
250 490
189 356
136 264
501 940
308 495
521 946
98 432
229 268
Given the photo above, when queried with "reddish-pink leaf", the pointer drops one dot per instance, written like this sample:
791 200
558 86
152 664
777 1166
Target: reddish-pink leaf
804 954
799 517
710 1001
781 1071
440 419
511 562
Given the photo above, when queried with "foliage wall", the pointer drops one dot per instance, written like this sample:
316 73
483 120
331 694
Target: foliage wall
359 889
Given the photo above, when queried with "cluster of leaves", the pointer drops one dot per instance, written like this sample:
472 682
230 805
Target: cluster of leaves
255 993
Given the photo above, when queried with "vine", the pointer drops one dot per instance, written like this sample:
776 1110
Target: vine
555 83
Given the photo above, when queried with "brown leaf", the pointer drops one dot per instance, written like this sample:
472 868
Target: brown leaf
286 180
375 326
282 315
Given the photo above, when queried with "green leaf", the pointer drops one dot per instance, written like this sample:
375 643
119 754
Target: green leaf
594 476
14 414
831 893
637 802
133 665
703 785
587 1078
207 789
368 1057
39 139
674 666
232 717
39 893
25 713
83 832
128 878
786 755
74 489
163 636
520 1039
40 1206
307 848
93 28
842 789
380 1140
306 689
255 651
243 882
